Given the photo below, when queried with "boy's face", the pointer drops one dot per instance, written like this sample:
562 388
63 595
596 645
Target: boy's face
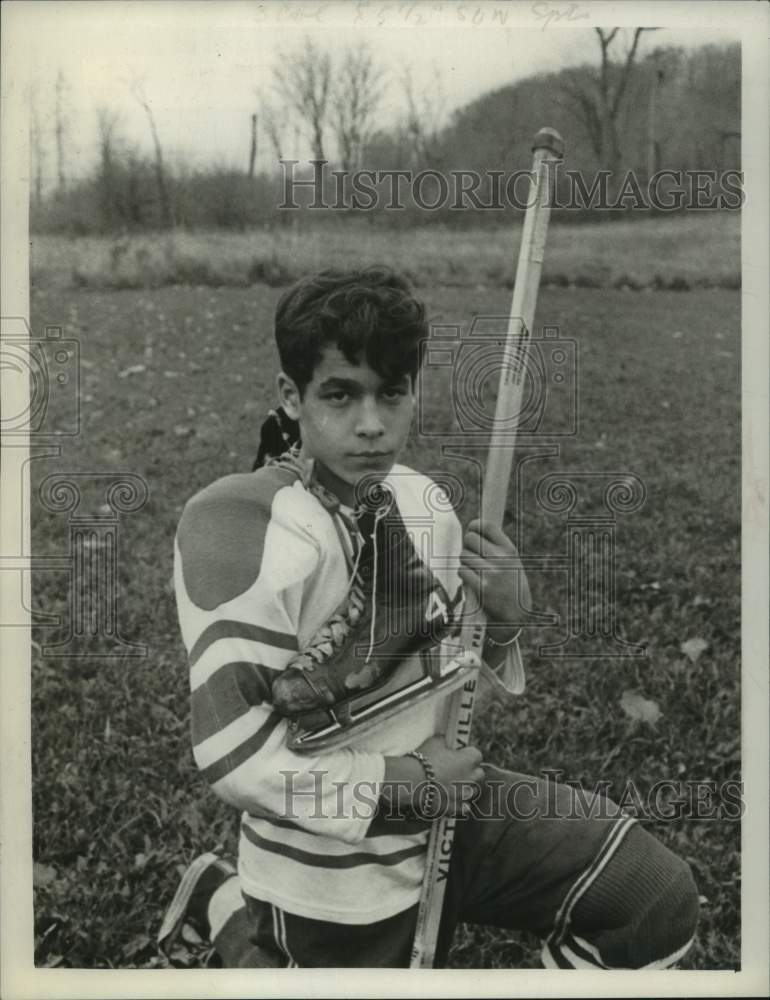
351 419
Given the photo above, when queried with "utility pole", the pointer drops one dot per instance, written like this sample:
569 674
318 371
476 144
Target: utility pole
653 146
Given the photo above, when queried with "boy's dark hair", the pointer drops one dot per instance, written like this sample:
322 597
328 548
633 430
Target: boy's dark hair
369 313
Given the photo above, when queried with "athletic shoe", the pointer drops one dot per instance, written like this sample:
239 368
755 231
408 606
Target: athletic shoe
191 901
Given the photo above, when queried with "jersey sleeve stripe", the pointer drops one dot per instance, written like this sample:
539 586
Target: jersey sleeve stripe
377 830
227 695
227 737
220 768
225 629
354 860
225 651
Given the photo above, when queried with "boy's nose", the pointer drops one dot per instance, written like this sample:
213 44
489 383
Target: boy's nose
369 422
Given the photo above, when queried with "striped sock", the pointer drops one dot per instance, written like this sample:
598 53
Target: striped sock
638 910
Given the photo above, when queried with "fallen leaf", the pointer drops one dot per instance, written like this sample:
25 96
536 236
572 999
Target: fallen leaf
693 648
132 370
136 945
638 708
42 875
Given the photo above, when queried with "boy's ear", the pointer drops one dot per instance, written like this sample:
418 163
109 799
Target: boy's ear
289 395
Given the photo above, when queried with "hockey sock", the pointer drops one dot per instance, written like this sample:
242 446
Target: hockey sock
636 910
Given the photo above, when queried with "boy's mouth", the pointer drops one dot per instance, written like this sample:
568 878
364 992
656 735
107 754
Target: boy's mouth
375 457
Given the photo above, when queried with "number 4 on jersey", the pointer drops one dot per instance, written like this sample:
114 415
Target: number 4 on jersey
436 607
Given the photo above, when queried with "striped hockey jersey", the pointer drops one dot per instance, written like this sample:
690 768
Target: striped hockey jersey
259 566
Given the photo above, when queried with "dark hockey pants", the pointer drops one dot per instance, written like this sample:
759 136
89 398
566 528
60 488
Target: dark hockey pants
536 855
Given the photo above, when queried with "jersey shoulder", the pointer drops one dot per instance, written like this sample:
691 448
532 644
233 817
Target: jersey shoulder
424 495
222 531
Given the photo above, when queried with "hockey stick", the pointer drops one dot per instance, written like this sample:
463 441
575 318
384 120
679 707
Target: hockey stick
548 147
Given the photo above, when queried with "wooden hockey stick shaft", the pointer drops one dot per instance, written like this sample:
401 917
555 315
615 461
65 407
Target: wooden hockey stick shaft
548 147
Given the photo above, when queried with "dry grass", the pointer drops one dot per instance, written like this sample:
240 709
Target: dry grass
674 253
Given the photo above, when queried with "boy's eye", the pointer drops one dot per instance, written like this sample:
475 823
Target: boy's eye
338 396
394 392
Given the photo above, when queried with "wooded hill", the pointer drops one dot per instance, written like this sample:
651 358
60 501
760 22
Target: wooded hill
693 98
670 109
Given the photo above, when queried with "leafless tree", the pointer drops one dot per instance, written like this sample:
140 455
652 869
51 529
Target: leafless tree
37 146
598 94
303 80
274 123
137 88
357 92
60 128
423 117
253 146
107 124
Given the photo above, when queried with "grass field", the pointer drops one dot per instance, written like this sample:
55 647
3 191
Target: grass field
661 253
174 383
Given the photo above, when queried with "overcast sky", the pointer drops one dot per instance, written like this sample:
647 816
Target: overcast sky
203 63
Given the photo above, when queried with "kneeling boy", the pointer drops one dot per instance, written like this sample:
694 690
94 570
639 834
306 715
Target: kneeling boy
279 572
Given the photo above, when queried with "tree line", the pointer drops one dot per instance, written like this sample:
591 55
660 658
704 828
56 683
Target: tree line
626 110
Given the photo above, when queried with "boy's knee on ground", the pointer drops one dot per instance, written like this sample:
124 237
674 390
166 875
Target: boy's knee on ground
643 907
